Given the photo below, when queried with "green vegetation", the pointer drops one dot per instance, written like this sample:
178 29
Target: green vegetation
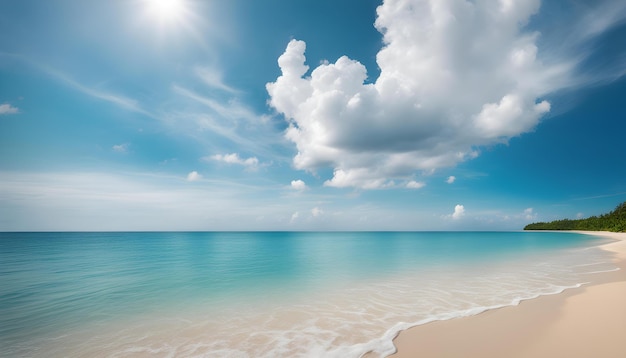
614 221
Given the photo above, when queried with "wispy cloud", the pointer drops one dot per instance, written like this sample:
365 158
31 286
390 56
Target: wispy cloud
601 196
133 201
213 78
233 121
233 110
451 179
604 16
229 118
116 99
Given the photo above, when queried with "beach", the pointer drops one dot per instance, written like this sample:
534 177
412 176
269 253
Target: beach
589 321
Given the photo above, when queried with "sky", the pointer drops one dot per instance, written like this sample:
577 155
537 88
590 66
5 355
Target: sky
309 115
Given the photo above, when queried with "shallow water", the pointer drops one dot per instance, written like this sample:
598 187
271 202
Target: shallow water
266 294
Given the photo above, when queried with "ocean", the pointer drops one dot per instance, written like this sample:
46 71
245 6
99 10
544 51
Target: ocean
266 294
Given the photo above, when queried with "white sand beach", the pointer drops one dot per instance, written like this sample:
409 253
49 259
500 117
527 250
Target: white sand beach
589 321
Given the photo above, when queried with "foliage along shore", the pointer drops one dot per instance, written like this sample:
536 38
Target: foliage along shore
614 221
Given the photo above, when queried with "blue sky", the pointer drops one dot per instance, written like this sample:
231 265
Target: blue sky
309 115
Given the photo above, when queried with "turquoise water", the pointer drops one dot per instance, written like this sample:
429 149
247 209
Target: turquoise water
265 294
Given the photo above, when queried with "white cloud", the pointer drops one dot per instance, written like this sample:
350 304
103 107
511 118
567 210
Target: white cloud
298 184
234 158
454 76
451 179
579 216
317 212
459 212
121 148
361 178
294 217
7 108
194 176
509 117
415 185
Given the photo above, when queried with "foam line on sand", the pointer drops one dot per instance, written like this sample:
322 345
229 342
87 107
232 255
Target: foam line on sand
589 321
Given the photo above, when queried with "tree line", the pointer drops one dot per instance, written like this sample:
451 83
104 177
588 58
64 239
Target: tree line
614 221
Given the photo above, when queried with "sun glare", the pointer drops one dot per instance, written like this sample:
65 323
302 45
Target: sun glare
168 19
167 11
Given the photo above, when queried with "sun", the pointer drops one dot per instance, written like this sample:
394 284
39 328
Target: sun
167 20
167 11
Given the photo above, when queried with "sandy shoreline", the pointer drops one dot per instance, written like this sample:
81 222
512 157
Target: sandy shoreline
585 322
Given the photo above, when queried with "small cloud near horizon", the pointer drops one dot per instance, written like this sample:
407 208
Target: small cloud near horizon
194 176
7 108
529 214
316 211
459 212
121 148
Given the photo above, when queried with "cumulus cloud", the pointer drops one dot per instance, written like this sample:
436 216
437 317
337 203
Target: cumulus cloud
451 179
294 217
121 148
7 108
454 76
298 184
415 185
194 176
234 158
459 212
